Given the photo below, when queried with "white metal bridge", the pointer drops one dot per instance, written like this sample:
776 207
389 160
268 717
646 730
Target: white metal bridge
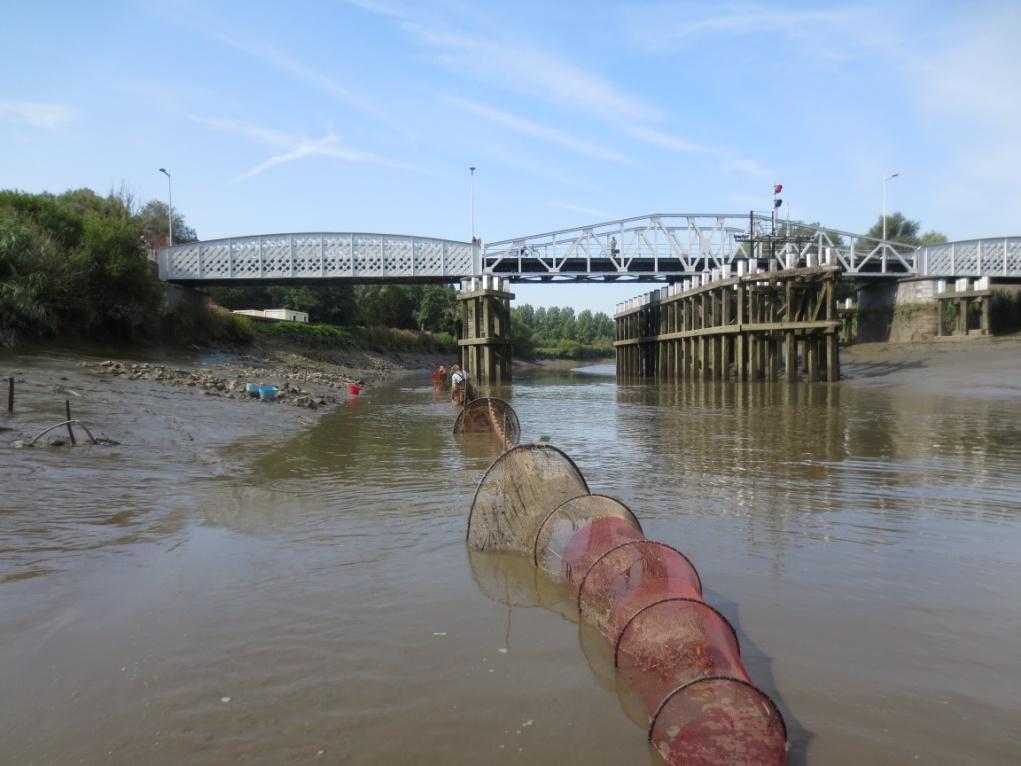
653 248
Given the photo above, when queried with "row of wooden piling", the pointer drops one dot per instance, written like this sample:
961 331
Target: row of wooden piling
779 325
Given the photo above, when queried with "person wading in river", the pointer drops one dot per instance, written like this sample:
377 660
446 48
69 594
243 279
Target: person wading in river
462 390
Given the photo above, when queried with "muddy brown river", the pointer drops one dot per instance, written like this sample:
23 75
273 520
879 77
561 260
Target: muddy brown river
240 583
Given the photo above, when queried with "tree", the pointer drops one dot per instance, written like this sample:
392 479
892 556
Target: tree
901 229
386 306
437 309
585 327
521 334
152 220
932 237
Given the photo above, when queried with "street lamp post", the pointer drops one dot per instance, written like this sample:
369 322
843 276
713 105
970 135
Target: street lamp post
471 194
170 208
887 178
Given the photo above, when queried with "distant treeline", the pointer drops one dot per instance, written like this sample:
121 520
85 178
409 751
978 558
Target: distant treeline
556 332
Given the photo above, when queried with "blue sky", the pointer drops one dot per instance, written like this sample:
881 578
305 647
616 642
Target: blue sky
365 115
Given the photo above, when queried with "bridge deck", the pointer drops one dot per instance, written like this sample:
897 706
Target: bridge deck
654 248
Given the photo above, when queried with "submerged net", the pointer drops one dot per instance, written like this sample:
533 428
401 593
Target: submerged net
517 492
590 543
560 528
672 642
489 415
719 720
644 627
630 577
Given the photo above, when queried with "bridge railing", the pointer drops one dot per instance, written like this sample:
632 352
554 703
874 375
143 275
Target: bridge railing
319 255
978 257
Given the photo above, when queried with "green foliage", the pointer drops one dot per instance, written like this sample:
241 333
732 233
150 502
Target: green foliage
27 262
386 306
437 309
521 336
1004 312
300 330
901 229
74 264
327 304
556 332
155 225
188 326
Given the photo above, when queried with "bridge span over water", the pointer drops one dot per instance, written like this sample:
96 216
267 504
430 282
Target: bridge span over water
653 248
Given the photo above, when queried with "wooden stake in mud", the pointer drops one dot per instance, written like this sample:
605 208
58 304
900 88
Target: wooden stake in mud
10 396
70 432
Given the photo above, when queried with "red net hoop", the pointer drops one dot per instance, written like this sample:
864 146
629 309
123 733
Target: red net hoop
630 577
672 642
719 720
558 530
590 543
489 416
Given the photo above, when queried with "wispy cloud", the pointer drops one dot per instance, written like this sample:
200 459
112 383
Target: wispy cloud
516 65
535 130
586 211
264 50
296 147
730 161
666 140
834 33
38 114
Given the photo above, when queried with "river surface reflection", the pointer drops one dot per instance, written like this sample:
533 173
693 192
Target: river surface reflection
226 586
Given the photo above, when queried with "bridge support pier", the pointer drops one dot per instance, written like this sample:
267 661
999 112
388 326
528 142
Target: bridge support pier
484 338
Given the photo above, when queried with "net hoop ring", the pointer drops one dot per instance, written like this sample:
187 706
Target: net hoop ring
531 447
704 679
620 637
484 401
581 585
538 532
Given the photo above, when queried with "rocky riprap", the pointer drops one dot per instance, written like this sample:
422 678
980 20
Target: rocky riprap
232 387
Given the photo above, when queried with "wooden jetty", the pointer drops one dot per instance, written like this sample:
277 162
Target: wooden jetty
749 326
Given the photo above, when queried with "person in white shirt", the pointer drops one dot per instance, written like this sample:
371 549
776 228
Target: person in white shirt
462 390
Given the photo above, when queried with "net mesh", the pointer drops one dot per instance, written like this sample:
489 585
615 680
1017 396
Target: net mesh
591 542
644 628
629 578
517 492
559 528
673 642
719 720
489 415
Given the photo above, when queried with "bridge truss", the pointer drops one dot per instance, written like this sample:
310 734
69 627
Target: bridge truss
654 248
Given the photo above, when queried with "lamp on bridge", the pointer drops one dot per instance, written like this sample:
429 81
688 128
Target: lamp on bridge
170 208
471 195
888 178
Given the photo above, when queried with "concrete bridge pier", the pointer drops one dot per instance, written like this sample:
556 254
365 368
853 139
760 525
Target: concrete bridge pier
484 338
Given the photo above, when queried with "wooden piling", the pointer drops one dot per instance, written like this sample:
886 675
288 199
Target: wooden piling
10 396
744 327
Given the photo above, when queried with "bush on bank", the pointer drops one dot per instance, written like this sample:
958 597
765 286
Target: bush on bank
72 265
